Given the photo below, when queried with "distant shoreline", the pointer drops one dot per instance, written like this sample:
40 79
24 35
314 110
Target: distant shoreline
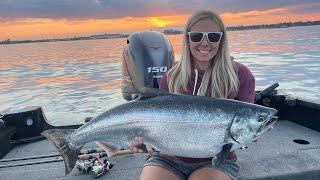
167 32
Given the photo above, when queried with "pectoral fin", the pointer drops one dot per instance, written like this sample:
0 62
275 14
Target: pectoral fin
222 156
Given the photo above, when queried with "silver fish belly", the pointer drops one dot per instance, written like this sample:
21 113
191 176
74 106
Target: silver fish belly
188 129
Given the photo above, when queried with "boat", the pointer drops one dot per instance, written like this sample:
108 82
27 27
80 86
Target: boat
289 151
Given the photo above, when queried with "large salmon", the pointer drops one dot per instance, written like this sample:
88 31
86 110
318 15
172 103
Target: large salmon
181 125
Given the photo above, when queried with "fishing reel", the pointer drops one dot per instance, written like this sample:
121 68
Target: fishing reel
101 167
84 166
97 166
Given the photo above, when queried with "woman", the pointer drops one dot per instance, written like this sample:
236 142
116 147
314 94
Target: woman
205 69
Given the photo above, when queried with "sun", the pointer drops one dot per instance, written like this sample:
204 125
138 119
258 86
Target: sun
158 22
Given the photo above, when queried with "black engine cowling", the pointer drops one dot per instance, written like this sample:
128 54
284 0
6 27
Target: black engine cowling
146 57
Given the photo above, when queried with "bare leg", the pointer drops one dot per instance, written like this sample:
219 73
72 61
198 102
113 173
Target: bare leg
208 173
157 173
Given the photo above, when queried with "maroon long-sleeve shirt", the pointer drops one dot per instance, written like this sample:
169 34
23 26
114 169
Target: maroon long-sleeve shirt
245 93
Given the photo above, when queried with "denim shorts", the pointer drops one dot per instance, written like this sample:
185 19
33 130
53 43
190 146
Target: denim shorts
184 169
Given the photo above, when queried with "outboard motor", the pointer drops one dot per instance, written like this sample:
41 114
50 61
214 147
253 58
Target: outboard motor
146 57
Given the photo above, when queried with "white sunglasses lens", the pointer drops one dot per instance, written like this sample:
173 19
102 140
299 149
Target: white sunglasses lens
196 37
214 37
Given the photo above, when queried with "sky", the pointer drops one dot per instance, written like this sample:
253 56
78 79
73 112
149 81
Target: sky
43 19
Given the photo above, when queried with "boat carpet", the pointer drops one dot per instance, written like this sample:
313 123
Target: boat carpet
276 156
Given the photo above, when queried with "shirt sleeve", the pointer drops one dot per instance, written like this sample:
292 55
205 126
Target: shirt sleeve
246 91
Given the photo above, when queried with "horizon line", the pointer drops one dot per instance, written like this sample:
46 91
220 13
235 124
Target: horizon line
174 29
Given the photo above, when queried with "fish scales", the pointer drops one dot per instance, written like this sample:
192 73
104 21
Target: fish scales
181 125
152 116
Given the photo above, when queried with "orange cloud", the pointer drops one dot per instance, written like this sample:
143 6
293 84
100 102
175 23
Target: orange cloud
49 28
159 22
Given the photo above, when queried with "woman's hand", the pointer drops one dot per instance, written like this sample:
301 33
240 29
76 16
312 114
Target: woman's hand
137 146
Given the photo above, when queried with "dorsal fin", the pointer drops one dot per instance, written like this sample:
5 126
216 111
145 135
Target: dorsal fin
146 93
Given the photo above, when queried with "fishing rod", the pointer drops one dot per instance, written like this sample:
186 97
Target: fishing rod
87 151
26 140
29 158
31 163
84 155
266 91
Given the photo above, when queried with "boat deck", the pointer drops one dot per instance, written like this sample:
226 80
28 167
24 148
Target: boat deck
275 156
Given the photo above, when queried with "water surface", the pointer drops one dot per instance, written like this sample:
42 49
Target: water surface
75 79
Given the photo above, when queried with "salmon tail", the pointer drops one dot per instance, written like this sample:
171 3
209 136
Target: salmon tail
61 139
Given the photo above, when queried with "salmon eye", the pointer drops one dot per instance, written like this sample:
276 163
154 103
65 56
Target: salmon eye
261 118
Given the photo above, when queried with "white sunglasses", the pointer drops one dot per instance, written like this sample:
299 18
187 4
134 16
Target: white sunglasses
212 37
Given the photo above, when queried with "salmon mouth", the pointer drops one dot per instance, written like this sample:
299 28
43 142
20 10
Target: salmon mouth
268 124
272 120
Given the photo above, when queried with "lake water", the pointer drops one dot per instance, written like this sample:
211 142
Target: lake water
75 79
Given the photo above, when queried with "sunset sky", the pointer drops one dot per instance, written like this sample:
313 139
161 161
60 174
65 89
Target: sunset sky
38 19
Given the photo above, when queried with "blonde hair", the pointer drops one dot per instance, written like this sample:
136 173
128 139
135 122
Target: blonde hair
221 74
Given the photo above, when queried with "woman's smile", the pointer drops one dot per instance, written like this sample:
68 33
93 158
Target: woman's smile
203 51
